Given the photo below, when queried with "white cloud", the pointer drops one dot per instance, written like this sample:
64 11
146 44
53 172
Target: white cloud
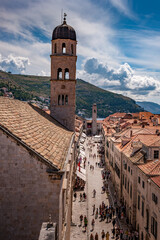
123 80
123 6
14 64
43 73
93 30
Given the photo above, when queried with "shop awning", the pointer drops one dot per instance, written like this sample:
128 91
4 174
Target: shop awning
81 175
82 153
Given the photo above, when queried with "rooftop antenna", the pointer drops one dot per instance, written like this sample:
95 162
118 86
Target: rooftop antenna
61 15
64 19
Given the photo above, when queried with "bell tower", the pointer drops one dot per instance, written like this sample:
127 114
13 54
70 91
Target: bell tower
94 119
63 75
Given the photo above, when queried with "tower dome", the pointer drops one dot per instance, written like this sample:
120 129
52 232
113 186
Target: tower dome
64 31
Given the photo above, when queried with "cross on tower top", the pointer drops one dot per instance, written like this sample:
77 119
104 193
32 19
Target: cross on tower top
64 19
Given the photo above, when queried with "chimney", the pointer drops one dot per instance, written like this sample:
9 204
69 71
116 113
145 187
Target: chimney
131 133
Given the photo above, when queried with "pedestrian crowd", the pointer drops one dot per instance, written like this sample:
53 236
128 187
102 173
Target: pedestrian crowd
104 212
82 196
79 184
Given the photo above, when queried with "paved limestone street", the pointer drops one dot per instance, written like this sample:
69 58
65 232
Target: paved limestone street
93 181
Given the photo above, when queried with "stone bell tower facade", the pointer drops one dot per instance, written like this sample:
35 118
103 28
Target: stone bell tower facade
63 75
94 119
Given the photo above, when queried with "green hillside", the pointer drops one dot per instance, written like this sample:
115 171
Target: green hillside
26 87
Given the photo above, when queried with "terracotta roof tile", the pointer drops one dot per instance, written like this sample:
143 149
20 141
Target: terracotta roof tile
151 167
39 131
118 114
156 180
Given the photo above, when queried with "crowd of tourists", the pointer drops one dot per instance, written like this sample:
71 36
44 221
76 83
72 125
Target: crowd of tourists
79 184
107 213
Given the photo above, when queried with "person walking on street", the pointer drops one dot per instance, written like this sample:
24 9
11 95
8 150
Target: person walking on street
107 216
107 236
80 197
113 231
114 222
110 216
121 234
92 223
84 196
103 234
93 209
96 215
81 219
85 222
96 236
94 193
75 196
91 237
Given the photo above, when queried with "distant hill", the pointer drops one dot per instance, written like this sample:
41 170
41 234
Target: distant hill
107 102
27 87
150 107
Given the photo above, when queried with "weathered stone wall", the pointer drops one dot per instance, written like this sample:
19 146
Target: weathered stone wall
117 160
63 85
129 193
153 208
27 194
65 114
94 119
68 43
63 62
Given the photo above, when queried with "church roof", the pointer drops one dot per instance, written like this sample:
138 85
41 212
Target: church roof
36 129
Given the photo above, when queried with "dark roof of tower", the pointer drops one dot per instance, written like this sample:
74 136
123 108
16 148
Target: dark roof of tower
64 31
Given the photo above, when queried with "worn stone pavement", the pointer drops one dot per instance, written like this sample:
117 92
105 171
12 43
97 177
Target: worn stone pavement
93 181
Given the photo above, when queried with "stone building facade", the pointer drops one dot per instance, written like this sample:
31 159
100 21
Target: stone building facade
37 171
94 119
133 157
148 195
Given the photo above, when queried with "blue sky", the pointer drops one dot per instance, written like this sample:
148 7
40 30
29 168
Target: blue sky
118 41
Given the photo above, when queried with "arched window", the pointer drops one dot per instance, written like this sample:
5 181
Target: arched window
71 48
59 73
55 48
66 75
63 48
62 99
66 99
59 99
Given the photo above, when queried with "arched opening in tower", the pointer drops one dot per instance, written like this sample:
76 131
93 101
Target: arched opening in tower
63 48
66 100
55 48
66 75
62 99
71 48
59 99
59 73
